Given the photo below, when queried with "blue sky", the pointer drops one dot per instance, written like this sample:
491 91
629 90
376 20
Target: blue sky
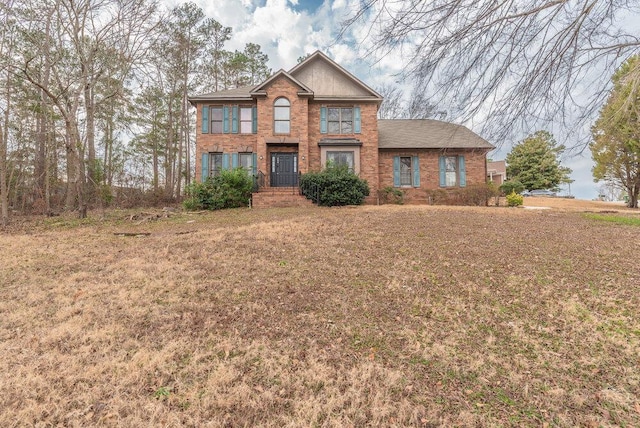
288 29
309 6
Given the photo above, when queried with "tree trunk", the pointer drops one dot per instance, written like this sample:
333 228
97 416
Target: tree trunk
4 199
91 132
71 164
155 149
42 126
633 196
169 151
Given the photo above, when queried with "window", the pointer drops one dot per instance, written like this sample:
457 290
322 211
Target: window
405 171
215 164
246 120
246 161
216 120
281 116
340 120
340 159
451 171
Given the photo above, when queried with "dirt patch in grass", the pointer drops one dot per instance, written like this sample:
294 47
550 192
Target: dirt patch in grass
380 316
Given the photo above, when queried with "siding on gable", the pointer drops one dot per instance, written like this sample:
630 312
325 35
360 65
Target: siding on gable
324 80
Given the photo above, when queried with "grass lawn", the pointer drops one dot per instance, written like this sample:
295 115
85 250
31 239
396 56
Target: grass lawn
369 316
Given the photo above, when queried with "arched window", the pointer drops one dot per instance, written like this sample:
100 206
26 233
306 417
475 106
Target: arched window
281 116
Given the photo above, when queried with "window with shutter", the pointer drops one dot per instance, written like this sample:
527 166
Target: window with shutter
216 119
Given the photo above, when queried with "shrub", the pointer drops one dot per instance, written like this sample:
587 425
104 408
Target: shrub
229 189
510 186
334 186
390 195
514 199
474 195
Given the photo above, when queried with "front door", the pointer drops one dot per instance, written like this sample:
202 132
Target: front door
284 169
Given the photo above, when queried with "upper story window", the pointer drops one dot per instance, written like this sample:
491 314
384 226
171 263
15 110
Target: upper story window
340 120
216 119
246 120
230 119
281 116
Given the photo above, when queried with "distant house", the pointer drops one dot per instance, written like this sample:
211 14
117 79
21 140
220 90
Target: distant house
298 120
497 172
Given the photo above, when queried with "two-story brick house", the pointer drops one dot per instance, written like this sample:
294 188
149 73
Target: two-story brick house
296 121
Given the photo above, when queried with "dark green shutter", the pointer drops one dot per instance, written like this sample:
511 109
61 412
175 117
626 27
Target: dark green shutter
205 166
234 160
396 171
356 120
255 164
234 119
323 120
443 172
462 172
225 119
416 171
225 161
254 118
205 119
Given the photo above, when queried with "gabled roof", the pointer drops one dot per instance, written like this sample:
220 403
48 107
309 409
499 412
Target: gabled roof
300 72
427 134
260 89
333 82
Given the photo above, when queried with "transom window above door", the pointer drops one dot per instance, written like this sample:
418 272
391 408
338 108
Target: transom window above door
340 120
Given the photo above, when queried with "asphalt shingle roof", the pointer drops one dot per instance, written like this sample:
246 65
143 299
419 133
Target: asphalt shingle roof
228 93
427 134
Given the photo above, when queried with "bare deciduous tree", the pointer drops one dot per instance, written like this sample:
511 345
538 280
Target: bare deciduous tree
512 61
392 104
395 106
6 43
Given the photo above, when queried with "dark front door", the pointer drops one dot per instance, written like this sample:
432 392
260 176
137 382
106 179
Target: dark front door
284 169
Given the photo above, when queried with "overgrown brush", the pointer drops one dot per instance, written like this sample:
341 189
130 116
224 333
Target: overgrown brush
229 189
474 195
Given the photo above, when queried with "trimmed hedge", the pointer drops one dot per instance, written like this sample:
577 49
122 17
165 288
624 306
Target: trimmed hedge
334 186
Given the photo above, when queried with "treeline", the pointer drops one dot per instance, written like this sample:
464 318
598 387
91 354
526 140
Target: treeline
93 100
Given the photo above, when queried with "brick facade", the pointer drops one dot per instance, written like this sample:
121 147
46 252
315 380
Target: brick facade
374 164
475 166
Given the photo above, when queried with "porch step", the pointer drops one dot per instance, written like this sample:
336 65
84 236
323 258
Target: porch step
279 199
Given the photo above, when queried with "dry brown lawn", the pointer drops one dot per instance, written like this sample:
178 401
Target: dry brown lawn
369 316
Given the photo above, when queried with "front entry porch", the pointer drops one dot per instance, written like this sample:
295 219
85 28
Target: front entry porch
284 169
